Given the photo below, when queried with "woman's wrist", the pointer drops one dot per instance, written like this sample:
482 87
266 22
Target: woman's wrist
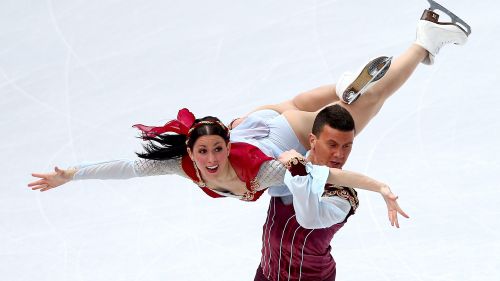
70 173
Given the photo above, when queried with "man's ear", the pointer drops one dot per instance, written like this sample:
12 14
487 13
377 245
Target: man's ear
312 140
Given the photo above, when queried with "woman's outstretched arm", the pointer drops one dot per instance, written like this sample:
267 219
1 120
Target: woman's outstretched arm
116 169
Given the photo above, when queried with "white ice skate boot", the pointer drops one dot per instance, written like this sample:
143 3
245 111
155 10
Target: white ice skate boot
351 86
432 34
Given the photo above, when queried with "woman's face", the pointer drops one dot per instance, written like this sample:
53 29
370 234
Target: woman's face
210 153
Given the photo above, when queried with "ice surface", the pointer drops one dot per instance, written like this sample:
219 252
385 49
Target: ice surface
75 75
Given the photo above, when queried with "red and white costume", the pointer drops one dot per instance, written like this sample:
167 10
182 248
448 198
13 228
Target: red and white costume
257 170
246 161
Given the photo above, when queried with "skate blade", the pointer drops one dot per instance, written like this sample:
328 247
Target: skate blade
371 73
460 23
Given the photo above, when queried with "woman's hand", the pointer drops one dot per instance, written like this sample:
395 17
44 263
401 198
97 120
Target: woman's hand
50 180
287 155
393 208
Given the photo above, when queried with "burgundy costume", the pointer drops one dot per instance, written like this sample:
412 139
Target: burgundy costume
291 252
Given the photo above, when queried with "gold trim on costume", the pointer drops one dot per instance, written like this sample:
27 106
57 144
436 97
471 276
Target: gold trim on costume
294 161
343 192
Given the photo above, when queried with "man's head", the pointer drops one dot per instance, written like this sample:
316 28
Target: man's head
332 137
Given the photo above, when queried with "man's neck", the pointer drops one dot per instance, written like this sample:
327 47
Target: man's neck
310 157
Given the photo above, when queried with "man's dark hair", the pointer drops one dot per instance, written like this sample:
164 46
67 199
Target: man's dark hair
334 116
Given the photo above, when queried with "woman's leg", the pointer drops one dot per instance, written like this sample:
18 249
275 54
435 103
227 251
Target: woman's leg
311 101
367 106
431 36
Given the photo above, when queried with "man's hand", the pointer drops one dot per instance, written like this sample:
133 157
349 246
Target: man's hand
393 208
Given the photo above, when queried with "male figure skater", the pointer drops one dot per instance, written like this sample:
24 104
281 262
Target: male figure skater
299 228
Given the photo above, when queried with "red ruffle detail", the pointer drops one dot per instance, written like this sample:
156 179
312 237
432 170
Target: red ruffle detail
181 125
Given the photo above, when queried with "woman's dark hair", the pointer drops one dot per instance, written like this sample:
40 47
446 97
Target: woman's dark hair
170 146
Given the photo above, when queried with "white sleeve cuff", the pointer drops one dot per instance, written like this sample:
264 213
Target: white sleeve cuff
311 209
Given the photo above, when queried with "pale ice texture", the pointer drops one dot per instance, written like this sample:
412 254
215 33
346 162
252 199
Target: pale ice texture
75 75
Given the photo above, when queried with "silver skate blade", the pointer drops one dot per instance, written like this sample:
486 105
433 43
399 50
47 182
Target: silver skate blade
353 97
378 72
454 18
374 72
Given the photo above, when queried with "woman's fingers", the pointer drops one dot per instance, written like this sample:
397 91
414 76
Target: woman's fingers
37 175
40 186
46 188
38 182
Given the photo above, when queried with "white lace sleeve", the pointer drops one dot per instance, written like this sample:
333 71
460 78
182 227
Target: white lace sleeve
271 173
125 169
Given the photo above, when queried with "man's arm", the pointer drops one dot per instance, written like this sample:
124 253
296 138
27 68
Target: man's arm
352 179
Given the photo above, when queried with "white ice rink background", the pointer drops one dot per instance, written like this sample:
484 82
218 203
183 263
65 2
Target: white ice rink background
75 75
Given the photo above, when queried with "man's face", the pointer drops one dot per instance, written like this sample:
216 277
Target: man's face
331 148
